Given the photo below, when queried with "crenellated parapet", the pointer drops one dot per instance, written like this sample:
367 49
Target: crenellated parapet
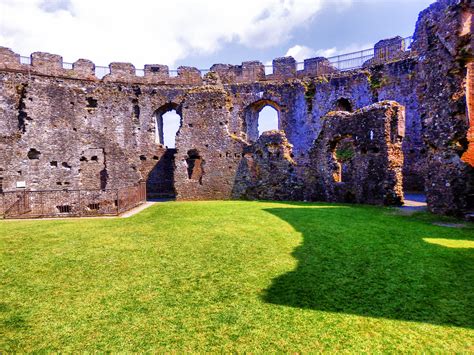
388 50
283 68
85 68
247 72
318 66
53 65
9 59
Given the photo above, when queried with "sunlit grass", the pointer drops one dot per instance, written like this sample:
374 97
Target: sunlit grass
451 243
237 276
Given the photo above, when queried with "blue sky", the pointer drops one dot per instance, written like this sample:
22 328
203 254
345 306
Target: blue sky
171 122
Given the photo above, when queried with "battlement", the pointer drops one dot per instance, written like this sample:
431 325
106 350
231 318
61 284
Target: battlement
250 71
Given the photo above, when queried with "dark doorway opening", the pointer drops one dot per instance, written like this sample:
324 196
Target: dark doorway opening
343 104
195 165
160 182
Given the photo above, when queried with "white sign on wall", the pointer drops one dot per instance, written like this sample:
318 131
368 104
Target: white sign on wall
20 184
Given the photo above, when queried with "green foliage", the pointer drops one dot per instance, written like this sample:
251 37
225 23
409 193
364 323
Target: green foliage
323 79
237 276
345 150
344 154
310 91
376 78
374 82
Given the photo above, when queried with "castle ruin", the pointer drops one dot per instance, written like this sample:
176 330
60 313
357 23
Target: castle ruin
404 121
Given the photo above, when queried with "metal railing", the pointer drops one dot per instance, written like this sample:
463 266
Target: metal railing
355 60
71 203
100 72
25 60
342 62
351 61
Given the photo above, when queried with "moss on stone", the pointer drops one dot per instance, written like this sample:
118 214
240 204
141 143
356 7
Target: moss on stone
310 91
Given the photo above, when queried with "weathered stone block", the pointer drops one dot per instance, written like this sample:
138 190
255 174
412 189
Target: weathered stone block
284 67
84 68
9 59
390 48
124 72
189 75
156 72
46 63
253 71
443 45
318 66
227 73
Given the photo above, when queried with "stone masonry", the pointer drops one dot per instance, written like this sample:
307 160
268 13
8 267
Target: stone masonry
67 129
358 156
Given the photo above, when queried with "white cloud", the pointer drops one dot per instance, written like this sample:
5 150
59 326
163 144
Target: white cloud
144 31
300 52
328 52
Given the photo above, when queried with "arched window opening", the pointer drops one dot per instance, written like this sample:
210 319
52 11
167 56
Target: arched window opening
168 123
261 116
267 119
195 165
343 104
343 153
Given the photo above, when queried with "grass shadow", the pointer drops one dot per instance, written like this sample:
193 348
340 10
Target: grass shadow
364 261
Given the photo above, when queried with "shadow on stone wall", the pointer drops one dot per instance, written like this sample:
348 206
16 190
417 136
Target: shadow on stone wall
160 182
356 268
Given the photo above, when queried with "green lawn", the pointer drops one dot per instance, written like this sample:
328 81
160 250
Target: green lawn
238 276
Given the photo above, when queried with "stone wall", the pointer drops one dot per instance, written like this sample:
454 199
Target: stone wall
207 151
74 134
443 37
397 81
267 170
358 156
67 129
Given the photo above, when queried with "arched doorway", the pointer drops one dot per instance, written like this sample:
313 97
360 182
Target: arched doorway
167 121
343 152
343 104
